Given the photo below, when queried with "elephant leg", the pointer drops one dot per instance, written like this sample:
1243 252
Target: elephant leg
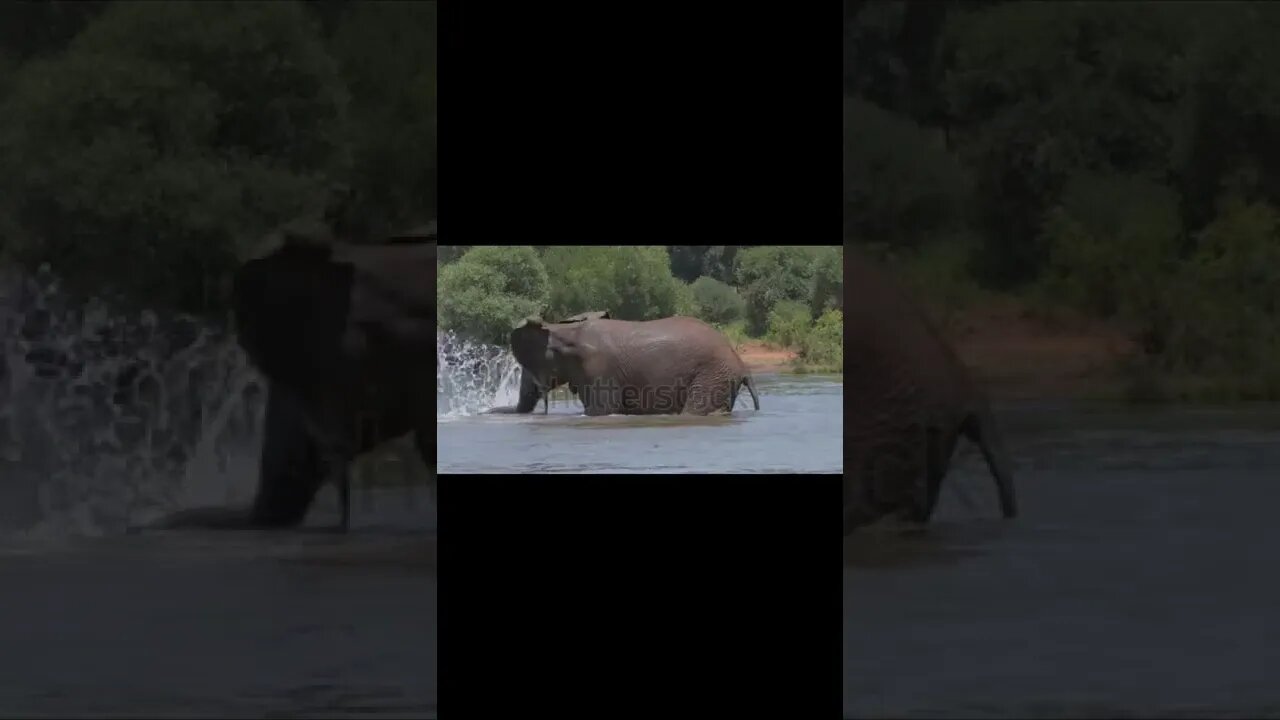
290 469
939 449
592 401
703 397
888 479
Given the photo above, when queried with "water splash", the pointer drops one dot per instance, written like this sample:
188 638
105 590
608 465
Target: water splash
111 418
472 377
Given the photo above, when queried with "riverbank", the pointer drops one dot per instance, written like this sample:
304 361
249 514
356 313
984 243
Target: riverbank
1018 356
761 357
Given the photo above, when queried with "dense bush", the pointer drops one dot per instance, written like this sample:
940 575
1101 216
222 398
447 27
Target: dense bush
716 302
823 344
736 332
769 275
1228 303
900 184
685 303
789 322
389 64
828 280
486 292
1109 239
167 134
632 283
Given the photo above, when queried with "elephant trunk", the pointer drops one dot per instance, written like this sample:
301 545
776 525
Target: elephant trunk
529 391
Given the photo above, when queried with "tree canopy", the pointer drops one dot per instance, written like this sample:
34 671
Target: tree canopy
147 143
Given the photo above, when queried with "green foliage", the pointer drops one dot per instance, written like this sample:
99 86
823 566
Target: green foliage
1113 243
685 303
824 343
387 52
938 273
828 280
486 292
632 283
1039 92
769 275
736 332
789 323
1228 307
716 302
166 134
901 185
643 278
1233 110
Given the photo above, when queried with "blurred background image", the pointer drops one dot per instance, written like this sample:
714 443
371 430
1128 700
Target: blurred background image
148 149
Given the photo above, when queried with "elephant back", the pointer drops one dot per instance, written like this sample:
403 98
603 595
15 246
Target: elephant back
888 335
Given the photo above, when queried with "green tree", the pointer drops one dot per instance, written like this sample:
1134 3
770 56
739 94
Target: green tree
487 291
1228 303
387 55
789 323
901 186
824 343
685 303
1113 243
1232 110
1039 92
632 283
828 280
717 302
165 134
768 275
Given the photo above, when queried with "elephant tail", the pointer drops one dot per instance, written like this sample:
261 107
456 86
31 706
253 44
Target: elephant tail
751 388
981 429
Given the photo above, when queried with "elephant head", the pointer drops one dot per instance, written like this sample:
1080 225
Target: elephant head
291 312
542 349
530 343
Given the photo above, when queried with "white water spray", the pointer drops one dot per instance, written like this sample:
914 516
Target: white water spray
109 419
472 377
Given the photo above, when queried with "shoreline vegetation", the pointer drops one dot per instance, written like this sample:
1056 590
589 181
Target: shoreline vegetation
781 307
1076 190
1018 353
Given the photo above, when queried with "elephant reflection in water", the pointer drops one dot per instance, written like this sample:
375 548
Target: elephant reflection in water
345 337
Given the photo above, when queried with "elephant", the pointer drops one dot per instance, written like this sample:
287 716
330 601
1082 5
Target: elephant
672 365
343 334
912 399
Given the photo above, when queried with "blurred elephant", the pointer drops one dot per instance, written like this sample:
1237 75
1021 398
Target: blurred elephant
910 400
667 366
345 336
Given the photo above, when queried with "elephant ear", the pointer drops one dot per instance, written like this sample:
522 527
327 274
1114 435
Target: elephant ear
291 311
528 343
